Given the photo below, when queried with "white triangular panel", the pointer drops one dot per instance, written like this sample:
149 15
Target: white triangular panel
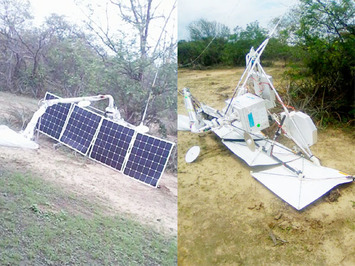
301 190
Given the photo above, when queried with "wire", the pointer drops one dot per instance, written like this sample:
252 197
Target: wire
204 50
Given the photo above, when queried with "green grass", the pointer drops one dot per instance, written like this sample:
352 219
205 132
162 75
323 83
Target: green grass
41 224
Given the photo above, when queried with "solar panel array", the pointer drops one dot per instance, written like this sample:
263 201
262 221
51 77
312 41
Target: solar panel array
139 156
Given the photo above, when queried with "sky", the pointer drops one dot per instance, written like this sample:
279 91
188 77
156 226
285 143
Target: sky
231 13
43 8
75 13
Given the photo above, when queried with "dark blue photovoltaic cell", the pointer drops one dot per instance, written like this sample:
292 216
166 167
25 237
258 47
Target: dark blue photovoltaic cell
80 129
111 144
52 121
147 159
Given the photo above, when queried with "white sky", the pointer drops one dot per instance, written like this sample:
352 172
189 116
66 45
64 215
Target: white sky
74 13
43 8
231 13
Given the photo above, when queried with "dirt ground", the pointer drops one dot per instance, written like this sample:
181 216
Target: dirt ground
226 217
83 177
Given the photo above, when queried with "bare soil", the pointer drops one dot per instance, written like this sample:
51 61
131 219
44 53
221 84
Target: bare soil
226 217
81 176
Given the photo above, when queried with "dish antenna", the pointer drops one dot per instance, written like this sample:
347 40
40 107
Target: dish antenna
192 154
249 141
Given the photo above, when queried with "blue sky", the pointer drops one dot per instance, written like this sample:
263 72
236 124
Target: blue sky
231 13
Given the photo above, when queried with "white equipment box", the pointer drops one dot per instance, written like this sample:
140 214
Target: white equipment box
302 128
252 112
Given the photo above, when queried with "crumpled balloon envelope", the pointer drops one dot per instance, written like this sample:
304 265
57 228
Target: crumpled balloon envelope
10 138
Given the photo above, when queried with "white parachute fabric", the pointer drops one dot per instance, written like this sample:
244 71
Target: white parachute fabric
300 190
10 138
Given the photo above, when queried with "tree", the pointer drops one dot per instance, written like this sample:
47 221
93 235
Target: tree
25 47
207 41
13 17
240 42
327 19
203 29
135 53
326 35
137 18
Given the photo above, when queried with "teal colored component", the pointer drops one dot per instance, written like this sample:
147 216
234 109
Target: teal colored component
251 120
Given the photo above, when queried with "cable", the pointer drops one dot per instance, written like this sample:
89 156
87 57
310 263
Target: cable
201 52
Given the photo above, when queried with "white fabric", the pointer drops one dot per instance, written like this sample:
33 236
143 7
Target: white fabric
10 138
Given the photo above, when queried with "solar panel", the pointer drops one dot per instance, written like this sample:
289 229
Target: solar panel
137 155
80 129
111 144
148 159
53 120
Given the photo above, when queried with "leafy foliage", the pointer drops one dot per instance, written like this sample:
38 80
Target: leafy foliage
327 37
226 49
204 29
240 42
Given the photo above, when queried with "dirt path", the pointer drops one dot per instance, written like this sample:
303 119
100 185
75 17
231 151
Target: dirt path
119 193
226 217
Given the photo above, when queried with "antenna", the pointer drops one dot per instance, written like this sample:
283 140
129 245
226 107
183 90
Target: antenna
150 93
141 127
